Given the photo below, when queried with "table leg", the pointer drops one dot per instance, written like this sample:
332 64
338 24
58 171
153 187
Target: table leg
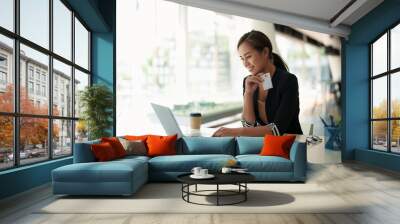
188 189
217 194
196 188
182 190
245 193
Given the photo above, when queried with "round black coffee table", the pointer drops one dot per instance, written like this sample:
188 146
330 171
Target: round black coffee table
238 179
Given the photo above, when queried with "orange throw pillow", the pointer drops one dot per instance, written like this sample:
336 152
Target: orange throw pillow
277 145
161 145
136 137
103 151
116 145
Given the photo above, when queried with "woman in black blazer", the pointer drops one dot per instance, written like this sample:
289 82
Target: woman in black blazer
271 111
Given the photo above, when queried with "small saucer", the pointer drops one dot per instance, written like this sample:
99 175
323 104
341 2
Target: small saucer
208 176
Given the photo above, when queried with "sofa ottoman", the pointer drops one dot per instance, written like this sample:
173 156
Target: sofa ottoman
119 177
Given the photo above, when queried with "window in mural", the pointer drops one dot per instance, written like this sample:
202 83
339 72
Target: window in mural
44 131
385 96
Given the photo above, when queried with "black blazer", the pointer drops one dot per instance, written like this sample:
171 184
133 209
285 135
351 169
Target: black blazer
282 104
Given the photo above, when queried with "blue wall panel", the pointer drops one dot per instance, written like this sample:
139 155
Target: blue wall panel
377 158
356 99
103 53
102 59
103 63
355 73
24 178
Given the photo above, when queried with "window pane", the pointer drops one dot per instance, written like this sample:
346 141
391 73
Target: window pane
7 14
6 74
33 139
379 55
379 97
35 21
209 54
395 47
6 142
81 45
81 81
34 72
62 29
62 89
395 136
81 131
379 135
395 95
62 137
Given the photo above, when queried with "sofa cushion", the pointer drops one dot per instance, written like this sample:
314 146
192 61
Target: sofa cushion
257 163
112 171
134 147
116 145
142 138
207 145
136 137
131 158
277 145
103 152
161 145
185 163
249 145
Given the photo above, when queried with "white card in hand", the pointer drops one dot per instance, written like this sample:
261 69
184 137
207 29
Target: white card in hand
267 83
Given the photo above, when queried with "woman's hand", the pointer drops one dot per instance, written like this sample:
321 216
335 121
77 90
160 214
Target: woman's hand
221 132
252 82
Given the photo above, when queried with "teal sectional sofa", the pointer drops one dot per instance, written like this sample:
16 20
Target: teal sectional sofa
125 176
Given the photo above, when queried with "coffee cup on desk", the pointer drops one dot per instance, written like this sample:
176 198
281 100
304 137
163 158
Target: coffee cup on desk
195 120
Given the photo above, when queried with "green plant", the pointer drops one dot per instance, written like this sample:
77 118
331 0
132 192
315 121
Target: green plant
96 102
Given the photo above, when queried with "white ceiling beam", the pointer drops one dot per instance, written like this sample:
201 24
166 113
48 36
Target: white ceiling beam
347 12
268 15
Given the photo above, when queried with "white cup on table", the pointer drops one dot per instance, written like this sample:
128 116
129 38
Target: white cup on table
196 170
203 172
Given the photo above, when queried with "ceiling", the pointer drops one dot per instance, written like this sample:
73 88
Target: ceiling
319 9
333 17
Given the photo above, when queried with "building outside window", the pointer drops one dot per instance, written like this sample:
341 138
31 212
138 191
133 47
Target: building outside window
43 90
30 87
3 61
3 72
3 78
30 72
37 76
44 77
38 89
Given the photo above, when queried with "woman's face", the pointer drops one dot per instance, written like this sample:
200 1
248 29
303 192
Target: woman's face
254 61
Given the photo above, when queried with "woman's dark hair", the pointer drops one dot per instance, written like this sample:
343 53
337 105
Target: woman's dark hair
258 40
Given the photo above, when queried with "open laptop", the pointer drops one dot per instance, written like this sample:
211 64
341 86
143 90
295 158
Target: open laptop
171 126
